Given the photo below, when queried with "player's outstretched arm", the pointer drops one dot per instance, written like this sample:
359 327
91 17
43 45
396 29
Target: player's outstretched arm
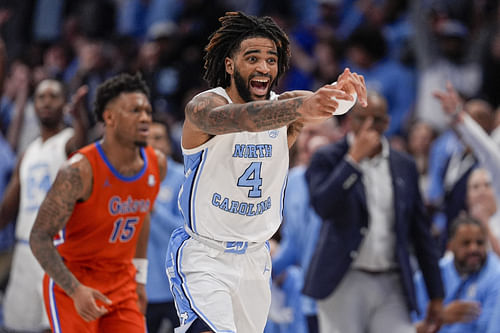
209 114
213 115
73 183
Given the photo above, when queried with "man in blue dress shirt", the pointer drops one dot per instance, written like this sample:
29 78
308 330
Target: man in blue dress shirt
471 278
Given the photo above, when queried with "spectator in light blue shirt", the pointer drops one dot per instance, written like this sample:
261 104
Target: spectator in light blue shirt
164 219
471 276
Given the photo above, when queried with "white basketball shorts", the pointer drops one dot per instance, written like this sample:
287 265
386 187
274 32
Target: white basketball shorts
226 284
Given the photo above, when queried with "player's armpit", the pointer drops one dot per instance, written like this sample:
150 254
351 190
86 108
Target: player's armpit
73 183
293 132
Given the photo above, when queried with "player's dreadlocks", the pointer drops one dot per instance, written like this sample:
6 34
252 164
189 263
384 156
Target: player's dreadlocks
114 86
236 27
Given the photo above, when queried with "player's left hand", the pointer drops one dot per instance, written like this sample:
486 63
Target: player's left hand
142 302
353 83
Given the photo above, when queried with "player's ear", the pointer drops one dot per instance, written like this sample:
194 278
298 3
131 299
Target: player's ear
108 117
229 65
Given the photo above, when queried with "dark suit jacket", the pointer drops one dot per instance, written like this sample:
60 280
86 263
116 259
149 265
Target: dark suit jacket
338 196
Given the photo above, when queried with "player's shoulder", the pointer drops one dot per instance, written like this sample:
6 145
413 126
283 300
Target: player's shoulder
78 162
75 177
216 96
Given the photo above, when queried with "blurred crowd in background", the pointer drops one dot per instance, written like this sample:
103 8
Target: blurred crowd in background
406 50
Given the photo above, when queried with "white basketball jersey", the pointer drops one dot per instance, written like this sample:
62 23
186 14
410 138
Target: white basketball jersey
234 184
37 172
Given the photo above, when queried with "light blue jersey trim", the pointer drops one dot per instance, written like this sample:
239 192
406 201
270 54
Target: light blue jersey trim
115 172
194 164
187 293
184 302
282 196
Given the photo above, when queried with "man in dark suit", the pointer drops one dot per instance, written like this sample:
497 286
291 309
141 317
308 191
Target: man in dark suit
368 197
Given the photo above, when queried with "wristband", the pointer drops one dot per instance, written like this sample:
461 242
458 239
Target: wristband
141 265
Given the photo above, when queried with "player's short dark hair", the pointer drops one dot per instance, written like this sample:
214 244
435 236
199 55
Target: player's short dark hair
236 27
462 219
113 87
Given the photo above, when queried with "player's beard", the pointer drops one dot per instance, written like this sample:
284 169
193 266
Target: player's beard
51 122
140 144
243 88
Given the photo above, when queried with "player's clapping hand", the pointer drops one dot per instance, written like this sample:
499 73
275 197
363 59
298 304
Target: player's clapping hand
84 299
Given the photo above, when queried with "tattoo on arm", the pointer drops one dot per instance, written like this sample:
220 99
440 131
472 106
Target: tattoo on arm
52 217
214 117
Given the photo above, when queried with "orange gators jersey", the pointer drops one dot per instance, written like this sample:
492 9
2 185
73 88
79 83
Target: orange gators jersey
103 231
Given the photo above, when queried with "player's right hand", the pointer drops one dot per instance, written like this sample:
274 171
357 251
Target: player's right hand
320 104
84 299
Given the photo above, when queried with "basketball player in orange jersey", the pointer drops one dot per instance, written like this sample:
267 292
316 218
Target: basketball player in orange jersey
99 208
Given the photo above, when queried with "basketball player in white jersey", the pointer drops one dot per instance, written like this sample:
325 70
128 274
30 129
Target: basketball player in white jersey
235 143
23 306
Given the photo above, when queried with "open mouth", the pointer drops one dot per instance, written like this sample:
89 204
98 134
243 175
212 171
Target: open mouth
259 87
474 259
144 131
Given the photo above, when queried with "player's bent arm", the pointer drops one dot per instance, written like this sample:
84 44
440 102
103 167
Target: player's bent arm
73 183
9 206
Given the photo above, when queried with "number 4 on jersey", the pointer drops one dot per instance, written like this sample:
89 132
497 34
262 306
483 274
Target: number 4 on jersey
251 178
